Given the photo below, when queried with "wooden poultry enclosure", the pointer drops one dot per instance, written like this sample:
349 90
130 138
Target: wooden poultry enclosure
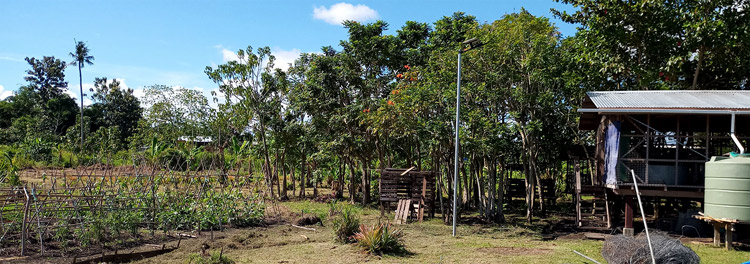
415 187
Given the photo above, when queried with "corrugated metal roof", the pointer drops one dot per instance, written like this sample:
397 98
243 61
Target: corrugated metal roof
709 100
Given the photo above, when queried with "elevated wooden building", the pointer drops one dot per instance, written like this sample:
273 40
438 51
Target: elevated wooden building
664 137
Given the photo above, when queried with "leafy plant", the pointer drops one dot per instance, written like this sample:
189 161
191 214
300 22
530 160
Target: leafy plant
214 258
380 239
155 150
345 226
8 170
38 149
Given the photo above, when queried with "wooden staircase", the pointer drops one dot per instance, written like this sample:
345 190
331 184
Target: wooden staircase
592 208
592 205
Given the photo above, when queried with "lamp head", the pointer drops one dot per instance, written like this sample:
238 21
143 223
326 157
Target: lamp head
470 44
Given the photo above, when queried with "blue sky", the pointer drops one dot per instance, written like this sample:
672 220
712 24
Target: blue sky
171 42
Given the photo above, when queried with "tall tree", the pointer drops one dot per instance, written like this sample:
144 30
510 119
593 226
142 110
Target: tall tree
46 77
175 112
243 83
47 85
115 106
645 44
81 58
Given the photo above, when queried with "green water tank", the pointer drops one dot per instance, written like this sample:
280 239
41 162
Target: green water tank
728 188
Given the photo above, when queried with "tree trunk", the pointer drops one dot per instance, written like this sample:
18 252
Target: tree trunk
352 189
283 173
539 188
313 179
464 185
80 82
341 174
294 182
698 68
365 183
276 172
498 216
302 177
529 178
269 181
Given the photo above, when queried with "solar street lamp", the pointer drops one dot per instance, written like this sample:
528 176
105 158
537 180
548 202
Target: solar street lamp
465 46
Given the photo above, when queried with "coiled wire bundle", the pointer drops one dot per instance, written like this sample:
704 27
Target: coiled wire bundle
622 249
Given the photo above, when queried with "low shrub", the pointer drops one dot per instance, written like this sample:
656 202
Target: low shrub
210 212
380 239
206 160
37 149
214 258
345 225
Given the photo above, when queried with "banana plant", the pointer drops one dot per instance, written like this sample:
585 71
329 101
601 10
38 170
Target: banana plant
155 151
239 151
190 154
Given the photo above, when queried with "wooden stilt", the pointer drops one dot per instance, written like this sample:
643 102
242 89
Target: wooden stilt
728 235
629 204
717 235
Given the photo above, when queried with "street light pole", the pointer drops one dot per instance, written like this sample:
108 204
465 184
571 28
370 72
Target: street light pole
455 163
472 44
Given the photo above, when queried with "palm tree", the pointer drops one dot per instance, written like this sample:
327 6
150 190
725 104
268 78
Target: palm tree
81 57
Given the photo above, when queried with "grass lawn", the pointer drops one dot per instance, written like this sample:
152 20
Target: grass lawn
427 242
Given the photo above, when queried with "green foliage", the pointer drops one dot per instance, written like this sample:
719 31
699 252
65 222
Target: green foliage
214 258
8 170
662 44
47 77
176 112
205 160
380 239
155 151
345 225
114 107
124 212
37 149
209 212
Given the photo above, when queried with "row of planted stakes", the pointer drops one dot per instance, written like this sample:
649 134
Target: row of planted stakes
90 209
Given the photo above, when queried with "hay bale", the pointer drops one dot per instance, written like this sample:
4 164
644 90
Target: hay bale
622 249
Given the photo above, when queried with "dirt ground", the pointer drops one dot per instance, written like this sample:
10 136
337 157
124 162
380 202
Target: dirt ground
426 242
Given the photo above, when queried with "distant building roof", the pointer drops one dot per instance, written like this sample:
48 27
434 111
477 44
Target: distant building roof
198 139
681 102
706 100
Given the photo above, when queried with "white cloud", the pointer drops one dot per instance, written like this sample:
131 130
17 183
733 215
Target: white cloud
284 57
4 94
340 12
139 93
226 54
6 58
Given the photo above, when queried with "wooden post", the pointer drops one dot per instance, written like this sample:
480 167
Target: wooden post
628 230
717 235
421 201
606 206
578 191
380 192
433 193
24 226
648 146
728 235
